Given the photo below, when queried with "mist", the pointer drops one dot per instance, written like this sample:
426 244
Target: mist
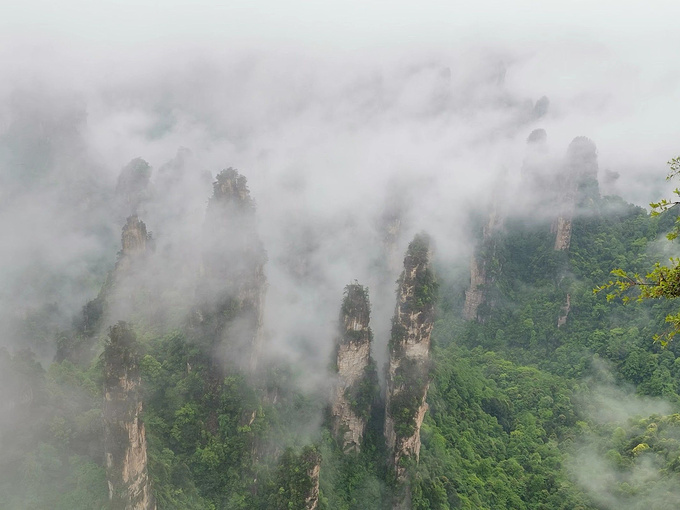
356 126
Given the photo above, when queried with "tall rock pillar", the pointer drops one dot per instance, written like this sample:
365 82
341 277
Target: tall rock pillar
577 183
357 377
233 284
409 356
124 433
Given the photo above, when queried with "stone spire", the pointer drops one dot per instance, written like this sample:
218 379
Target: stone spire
357 376
124 432
408 371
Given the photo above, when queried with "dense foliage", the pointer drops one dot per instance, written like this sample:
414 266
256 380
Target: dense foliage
515 402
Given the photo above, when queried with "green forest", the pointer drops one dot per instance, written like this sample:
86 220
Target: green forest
521 413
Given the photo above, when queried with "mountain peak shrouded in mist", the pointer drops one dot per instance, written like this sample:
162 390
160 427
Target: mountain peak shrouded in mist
538 137
578 188
212 369
232 285
132 188
134 237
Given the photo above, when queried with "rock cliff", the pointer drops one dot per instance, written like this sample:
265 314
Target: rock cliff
132 188
480 275
564 312
124 433
357 378
577 184
409 357
482 264
233 284
115 300
313 471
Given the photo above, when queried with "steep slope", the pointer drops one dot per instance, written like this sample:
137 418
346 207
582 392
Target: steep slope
233 284
409 362
356 370
124 432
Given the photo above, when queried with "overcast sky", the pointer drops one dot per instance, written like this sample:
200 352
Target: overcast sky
332 110
612 65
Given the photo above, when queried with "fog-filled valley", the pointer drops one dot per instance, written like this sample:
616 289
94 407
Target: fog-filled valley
250 267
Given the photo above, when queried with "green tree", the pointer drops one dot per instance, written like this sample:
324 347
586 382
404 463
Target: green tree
663 281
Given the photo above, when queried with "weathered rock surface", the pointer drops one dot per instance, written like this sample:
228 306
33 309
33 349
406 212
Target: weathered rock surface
481 277
116 298
312 499
356 370
124 433
576 183
409 362
564 312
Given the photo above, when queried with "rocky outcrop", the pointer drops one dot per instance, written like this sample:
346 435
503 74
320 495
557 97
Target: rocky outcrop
577 184
480 277
124 433
409 357
116 298
134 242
357 378
481 264
564 312
313 471
562 228
232 288
132 188
298 479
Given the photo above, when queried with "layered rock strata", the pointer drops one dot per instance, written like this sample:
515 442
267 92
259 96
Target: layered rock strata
409 357
356 371
480 277
124 433
576 184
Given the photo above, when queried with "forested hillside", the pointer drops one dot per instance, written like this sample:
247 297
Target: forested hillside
540 396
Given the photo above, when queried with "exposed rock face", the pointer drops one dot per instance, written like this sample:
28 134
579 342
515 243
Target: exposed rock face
124 434
480 278
408 370
312 499
134 240
474 295
562 229
481 275
116 298
576 184
232 289
356 370
564 312
298 479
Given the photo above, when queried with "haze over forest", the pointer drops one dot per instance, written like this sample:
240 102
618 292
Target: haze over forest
358 128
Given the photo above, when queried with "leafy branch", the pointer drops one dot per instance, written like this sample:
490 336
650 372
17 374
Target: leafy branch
662 281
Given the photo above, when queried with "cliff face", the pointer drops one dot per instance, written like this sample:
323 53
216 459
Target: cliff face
115 300
313 471
480 274
564 312
356 370
298 480
124 433
408 370
232 289
480 278
576 184
134 239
